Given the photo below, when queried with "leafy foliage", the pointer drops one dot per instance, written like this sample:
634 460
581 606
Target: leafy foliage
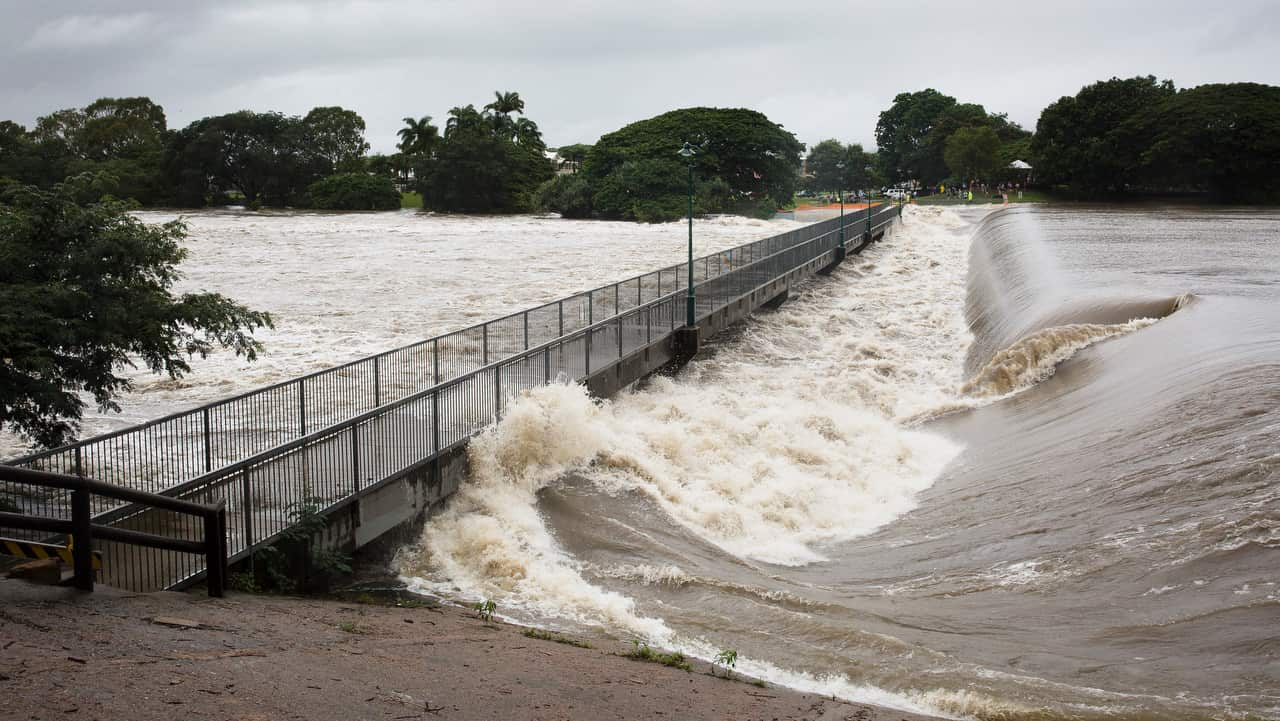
973 153
486 162
568 195
485 609
838 167
354 191
1220 139
85 290
913 133
1078 141
743 161
336 135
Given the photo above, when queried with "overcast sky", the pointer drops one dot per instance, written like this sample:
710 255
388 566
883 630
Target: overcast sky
586 68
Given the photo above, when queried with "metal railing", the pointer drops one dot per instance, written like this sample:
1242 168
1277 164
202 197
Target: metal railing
326 467
181 537
166 452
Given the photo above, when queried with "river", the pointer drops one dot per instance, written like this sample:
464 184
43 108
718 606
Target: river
1011 464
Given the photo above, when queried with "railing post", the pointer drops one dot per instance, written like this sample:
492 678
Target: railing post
586 343
526 330
590 308
302 408
435 422
435 361
619 337
208 443
377 382
82 539
246 495
355 457
497 391
215 549
484 343
546 364
560 305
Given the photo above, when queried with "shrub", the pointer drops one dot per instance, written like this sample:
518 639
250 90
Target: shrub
354 191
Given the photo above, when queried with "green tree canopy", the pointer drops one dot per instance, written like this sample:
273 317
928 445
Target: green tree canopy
266 157
974 154
913 133
85 290
1223 139
742 157
354 191
903 130
1077 141
485 162
337 136
835 166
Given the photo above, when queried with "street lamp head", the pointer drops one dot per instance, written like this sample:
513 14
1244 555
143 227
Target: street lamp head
687 151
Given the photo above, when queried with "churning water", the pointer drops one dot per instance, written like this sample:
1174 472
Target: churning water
342 286
1018 464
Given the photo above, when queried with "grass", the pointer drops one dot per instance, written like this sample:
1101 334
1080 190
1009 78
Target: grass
557 638
642 652
349 627
410 200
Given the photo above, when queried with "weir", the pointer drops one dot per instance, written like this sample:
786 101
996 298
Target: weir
372 445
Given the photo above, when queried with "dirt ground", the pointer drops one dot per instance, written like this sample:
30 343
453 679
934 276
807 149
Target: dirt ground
117 656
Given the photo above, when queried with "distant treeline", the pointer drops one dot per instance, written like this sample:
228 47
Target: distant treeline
1133 136
485 161
1113 138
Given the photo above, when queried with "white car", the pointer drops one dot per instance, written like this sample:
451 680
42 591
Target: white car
896 194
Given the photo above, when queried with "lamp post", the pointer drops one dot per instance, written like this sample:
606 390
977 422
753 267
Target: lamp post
840 167
867 178
687 152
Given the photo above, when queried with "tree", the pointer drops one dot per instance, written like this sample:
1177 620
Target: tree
835 166
1223 139
337 136
902 131
418 137
974 153
263 156
85 290
1077 141
754 161
483 164
506 103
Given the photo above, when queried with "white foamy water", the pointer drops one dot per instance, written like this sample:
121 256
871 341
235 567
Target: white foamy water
784 439
342 286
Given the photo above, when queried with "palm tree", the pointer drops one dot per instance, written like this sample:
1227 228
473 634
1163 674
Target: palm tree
526 134
466 118
506 103
417 137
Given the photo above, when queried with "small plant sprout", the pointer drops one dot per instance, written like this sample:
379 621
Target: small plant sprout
484 609
728 658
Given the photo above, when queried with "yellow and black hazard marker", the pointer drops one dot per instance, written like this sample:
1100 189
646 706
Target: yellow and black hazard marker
39 551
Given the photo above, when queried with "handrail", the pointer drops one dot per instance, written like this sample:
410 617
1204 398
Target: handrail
342 460
208 420
357 420
83 531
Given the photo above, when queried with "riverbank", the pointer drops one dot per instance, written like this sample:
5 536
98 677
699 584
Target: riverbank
111 654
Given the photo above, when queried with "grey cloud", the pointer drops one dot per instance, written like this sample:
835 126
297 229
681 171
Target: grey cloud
586 68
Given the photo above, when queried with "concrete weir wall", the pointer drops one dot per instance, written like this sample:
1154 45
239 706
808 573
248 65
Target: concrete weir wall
389 514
